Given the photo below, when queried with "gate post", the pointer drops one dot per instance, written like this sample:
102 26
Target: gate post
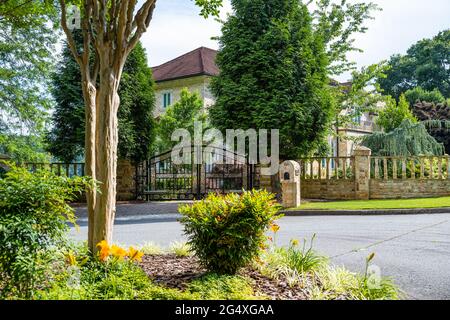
362 172
290 184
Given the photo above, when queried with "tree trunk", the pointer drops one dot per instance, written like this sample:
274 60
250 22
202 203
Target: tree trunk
89 93
107 104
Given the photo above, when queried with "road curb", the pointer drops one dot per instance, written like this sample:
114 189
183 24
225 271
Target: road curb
390 212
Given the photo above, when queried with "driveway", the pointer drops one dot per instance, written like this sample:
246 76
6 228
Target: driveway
414 250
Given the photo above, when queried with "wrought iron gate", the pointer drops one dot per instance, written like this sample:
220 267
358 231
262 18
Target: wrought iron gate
159 178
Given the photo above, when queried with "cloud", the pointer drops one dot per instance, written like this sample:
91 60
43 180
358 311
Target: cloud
178 28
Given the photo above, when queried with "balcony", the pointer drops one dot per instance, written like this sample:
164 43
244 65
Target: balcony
364 126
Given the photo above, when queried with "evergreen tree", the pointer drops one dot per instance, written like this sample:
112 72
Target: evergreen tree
273 75
136 124
409 139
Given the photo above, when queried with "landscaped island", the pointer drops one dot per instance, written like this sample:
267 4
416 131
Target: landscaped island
232 252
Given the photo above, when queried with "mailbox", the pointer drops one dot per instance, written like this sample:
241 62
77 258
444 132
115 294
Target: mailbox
290 183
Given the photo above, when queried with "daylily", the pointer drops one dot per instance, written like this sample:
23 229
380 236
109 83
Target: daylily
104 250
118 252
275 228
134 254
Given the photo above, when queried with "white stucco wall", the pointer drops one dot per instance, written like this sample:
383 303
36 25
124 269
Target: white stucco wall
199 84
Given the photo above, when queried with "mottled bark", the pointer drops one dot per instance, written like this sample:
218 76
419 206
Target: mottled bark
111 29
90 93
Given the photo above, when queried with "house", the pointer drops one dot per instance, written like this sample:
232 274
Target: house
194 71
351 134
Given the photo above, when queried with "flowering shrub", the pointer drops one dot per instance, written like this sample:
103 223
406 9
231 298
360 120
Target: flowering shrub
227 232
33 219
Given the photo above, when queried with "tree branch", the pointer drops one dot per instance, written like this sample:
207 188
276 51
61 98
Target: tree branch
86 25
70 39
141 22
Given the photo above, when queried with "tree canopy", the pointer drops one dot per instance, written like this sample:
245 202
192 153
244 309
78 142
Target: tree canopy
136 123
418 94
27 38
273 75
276 59
425 65
436 118
393 115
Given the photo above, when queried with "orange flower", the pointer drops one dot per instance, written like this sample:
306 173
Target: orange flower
104 254
118 252
275 228
104 250
103 245
135 255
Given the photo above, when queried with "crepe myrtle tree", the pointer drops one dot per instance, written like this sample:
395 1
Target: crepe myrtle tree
110 29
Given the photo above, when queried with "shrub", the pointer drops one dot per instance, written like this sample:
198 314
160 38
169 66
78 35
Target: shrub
227 232
33 220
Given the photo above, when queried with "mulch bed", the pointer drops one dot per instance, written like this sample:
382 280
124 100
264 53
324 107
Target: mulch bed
176 272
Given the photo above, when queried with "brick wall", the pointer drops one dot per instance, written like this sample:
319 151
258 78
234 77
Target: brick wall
418 188
328 189
377 178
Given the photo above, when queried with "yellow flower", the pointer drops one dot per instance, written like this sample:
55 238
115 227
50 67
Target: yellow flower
71 259
294 242
275 228
134 254
118 252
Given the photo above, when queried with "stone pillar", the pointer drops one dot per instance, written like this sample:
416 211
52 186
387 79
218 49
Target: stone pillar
362 172
126 188
290 184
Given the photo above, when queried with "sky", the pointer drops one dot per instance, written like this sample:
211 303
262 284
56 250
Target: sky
177 28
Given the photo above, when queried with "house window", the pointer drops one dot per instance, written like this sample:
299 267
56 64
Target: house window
167 99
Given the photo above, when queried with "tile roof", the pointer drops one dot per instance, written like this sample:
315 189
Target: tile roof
200 61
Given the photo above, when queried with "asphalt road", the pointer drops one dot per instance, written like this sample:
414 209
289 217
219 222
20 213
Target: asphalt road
414 250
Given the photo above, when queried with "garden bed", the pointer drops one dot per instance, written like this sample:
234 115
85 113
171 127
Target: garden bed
170 271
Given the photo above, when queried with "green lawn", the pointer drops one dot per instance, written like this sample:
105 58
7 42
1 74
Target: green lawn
378 204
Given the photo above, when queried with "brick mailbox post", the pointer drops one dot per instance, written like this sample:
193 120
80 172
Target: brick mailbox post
290 183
